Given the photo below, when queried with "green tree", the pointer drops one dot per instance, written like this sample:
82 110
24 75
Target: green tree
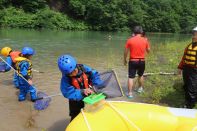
162 17
16 18
107 15
77 8
188 15
30 5
4 3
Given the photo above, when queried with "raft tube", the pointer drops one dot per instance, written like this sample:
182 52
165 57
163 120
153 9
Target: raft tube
130 116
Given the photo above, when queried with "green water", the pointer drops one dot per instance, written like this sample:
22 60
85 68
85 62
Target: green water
92 48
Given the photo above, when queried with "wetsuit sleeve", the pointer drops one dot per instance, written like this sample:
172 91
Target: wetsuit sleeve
9 61
24 66
94 76
70 91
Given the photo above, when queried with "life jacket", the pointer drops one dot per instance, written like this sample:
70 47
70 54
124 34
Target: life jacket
14 55
190 56
19 61
80 81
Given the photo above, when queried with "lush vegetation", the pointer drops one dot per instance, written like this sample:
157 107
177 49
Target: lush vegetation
164 89
108 15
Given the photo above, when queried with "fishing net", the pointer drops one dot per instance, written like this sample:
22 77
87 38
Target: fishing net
2 66
42 101
110 85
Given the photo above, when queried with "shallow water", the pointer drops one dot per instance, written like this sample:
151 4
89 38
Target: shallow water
92 48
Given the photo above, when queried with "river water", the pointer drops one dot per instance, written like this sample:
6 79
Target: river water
99 50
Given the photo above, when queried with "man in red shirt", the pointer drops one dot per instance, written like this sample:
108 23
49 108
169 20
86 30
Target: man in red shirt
138 46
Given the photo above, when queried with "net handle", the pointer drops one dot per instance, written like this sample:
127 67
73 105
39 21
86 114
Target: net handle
14 70
118 82
93 88
40 98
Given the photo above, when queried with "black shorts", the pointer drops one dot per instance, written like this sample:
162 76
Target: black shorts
75 108
136 66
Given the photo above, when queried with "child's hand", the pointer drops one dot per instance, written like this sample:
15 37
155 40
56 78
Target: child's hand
87 91
30 82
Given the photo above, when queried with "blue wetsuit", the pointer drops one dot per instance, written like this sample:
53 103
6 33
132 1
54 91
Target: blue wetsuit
7 68
75 95
70 92
25 70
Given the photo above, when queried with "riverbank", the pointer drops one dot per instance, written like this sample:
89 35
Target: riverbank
21 116
95 50
165 89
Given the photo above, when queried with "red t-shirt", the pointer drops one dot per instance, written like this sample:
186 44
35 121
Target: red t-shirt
138 46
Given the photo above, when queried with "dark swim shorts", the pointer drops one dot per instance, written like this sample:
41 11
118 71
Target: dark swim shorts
136 66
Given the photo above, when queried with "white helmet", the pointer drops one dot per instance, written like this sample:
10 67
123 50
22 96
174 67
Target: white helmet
195 29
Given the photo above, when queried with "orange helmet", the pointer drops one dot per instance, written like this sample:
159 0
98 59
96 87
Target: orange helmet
5 51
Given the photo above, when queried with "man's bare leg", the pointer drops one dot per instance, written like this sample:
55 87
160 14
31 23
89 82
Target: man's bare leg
130 86
141 83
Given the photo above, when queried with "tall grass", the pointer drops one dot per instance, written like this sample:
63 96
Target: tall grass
164 89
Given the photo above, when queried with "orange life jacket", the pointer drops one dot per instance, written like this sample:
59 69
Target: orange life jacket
80 82
14 55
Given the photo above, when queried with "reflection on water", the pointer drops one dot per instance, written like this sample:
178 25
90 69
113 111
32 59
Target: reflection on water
91 48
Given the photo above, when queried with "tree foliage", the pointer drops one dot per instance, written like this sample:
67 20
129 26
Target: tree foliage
45 18
108 15
29 5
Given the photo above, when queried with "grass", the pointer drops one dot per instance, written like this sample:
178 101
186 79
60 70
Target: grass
164 89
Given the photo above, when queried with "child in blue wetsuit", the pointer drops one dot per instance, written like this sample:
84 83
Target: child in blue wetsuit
24 68
10 59
75 82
